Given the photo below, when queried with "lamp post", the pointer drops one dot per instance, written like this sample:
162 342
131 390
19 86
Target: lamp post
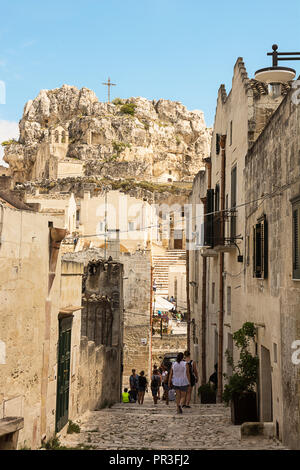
274 76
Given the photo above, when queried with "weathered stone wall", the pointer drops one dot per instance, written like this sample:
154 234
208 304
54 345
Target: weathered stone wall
99 381
28 323
272 167
137 291
245 116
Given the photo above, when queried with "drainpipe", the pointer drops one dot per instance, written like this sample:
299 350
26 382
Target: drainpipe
221 278
204 280
188 307
151 320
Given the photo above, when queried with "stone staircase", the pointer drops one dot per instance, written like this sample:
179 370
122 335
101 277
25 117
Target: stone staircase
161 263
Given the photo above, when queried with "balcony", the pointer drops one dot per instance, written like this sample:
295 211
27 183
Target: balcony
220 232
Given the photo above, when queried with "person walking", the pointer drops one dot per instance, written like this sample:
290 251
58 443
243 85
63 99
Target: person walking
165 382
133 382
180 377
155 384
142 386
160 377
193 378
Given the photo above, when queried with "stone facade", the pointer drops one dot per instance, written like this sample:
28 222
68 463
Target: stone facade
272 169
254 144
137 299
31 279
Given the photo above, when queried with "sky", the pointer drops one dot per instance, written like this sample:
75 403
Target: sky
181 50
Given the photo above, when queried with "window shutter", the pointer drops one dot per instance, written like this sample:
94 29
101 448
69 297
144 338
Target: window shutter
258 251
254 251
265 247
296 244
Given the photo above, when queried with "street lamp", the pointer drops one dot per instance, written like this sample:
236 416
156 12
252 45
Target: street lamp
274 76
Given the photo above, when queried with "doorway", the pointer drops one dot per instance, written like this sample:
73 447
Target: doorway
63 372
266 401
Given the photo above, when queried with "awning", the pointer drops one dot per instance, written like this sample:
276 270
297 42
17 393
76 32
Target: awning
159 303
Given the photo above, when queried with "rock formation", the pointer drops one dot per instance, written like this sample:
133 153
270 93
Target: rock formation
68 132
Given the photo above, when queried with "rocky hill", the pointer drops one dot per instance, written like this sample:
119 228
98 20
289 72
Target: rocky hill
157 141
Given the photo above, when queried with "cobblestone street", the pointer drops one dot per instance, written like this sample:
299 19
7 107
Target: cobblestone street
154 427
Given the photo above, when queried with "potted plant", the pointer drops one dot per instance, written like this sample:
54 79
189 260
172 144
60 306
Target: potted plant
207 394
239 392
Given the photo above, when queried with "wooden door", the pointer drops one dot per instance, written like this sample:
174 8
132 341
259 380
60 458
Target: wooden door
63 372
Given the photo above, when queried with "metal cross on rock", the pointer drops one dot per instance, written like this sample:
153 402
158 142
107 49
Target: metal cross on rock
109 84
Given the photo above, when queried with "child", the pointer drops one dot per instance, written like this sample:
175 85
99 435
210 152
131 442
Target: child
125 396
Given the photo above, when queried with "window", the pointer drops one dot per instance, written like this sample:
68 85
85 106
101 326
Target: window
213 293
233 204
296 241
230 133
228 300
260 248
217 197
208 220
217 144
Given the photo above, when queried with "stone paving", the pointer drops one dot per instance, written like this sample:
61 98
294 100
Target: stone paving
154 427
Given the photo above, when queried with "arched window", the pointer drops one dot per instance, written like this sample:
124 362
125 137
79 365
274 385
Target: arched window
217 198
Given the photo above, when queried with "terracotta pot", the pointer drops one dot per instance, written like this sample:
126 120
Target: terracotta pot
244 408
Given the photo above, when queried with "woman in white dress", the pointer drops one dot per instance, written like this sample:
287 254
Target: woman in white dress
180 378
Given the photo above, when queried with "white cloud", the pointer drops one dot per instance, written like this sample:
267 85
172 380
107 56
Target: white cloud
8 130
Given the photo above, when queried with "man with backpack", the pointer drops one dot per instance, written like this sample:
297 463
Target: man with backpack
193 376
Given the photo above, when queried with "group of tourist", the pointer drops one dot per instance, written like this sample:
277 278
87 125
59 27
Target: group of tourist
177 380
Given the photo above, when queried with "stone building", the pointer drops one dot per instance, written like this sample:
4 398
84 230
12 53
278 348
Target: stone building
32 314
241 266
56 362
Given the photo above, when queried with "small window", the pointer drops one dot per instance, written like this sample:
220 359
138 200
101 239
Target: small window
296 241
230 133
260 248
213 293
217 144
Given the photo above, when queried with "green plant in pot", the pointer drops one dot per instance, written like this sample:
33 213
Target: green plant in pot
239 392
207 393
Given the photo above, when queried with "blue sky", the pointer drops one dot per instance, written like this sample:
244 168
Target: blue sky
178 50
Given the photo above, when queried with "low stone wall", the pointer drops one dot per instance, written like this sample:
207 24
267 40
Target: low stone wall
99 376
